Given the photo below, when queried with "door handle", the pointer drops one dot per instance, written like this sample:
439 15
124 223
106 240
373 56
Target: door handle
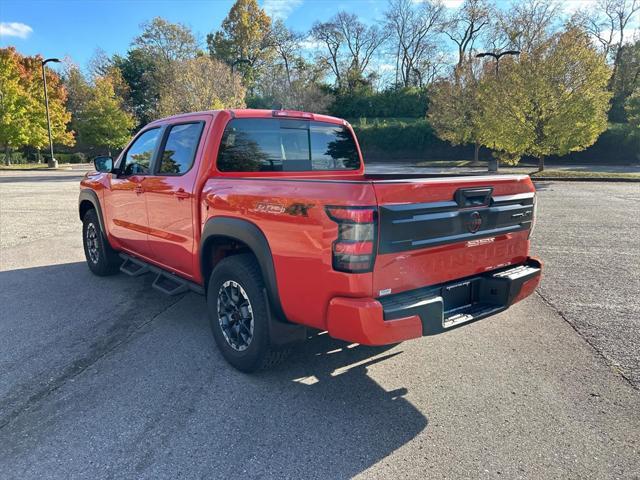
138 189
181 194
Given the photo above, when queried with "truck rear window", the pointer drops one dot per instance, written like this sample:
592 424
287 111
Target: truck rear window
270 145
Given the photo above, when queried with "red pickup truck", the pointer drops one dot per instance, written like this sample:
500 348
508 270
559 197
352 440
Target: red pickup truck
271 215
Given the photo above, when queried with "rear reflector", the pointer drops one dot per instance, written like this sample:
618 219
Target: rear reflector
355 215
354 249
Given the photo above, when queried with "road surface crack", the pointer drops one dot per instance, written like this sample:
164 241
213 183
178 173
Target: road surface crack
599 352
79 366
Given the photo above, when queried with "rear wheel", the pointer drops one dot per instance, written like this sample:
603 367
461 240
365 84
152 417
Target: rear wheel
101 258
239 314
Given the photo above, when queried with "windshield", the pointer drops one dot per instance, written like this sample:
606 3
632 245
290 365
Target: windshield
266 144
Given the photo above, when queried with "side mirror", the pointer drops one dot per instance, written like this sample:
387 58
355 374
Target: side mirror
103 164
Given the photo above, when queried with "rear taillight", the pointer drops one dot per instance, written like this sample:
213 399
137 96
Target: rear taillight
354 249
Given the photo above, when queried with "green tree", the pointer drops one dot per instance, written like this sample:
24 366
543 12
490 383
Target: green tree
78 95
632 108
166 41
244 42
627 79
143 77
104 121
552 101
454 109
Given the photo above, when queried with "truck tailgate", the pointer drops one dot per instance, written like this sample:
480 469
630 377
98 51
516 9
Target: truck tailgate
436 230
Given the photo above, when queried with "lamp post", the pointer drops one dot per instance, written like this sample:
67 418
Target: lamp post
493 163
498 56
53 163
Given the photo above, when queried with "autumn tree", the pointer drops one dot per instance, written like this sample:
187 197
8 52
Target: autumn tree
23 104
14 103
199 84
551 101
104 122
413 29
244 41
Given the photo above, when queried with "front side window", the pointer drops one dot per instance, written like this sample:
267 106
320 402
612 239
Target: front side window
180 149
265 144
138 158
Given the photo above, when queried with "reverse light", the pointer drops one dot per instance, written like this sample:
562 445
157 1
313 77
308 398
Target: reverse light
354 249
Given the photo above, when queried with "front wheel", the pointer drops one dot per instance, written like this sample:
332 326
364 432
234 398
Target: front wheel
101 258
239 315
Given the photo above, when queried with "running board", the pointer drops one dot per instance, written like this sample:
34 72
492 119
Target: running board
165 281
133 267
170 284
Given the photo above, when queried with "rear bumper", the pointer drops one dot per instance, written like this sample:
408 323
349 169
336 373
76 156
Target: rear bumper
431 310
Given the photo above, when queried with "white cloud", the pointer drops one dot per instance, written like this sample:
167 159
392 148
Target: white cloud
572 6
280 8
310 44
386 67
452 3
15 29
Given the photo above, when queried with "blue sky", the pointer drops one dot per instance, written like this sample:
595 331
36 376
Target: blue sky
76 28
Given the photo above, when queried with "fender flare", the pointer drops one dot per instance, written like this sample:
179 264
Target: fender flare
249 234
88 195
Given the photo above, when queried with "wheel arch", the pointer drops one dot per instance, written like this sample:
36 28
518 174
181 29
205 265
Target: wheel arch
88 200
248 234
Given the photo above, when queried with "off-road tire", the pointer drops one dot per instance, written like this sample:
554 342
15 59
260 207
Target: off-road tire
259 354
101 258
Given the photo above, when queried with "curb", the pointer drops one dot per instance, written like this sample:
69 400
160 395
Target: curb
59 169
586 179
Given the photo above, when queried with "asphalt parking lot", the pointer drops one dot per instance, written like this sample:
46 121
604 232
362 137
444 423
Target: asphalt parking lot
108 378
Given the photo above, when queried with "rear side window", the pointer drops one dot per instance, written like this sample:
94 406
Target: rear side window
271 145
180 148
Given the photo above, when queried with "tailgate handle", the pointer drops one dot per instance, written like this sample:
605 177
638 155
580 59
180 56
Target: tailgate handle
473 197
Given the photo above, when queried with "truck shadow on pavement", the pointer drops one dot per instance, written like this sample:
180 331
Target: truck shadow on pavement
120 380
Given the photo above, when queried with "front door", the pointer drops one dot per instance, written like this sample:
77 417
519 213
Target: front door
169 193
126 207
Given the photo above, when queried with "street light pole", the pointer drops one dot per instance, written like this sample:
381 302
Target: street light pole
53 163
493 163
498 56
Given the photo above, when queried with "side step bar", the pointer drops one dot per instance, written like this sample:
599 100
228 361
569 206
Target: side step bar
165 281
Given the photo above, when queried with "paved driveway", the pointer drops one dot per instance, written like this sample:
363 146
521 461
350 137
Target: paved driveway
107 378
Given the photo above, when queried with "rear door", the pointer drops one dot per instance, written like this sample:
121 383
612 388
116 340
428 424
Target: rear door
125 203
441 229
171 197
